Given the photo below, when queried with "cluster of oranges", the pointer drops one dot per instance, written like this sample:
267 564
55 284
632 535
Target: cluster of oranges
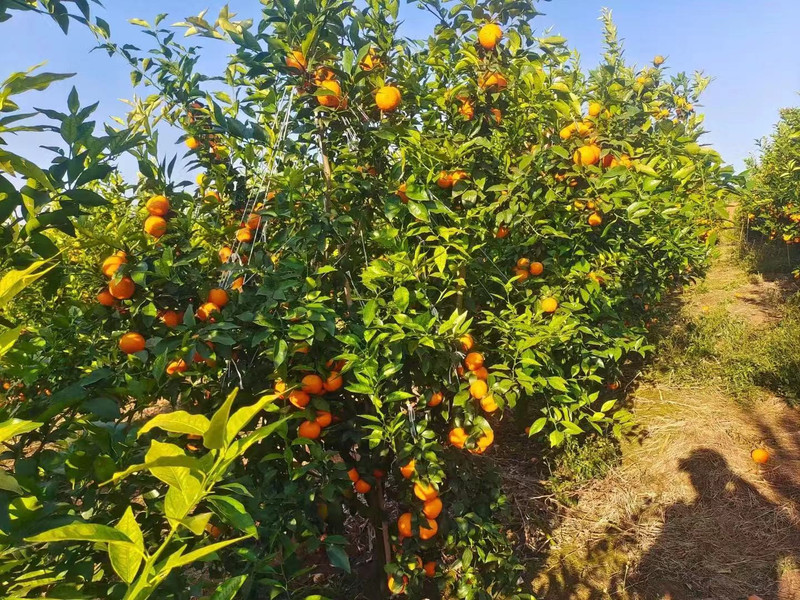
155 224
119 288
525 268
313 385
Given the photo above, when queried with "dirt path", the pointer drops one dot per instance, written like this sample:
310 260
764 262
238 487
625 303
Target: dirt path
687 514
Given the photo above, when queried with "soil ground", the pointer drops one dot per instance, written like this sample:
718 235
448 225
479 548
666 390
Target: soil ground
686 514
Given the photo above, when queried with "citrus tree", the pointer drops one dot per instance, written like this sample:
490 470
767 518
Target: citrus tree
391 246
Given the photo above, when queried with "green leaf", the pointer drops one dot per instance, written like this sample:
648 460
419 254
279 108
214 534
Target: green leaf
181 500
82 532
234 512
419 211
8 338
126 558
240 446
229 589
401 298
537 426
214 438
338 557
177 422
440 258
9 484
197 523
195 555
14 282
178 468
370 309
15 427
244 415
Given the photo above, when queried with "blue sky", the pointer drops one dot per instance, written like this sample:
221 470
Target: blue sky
749 48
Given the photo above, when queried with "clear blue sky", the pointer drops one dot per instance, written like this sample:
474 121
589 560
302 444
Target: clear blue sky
749 48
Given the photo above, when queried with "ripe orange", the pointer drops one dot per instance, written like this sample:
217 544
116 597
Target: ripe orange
408 469
587 155
218 297
155 226
177 366
324 418
595 108
309 429
193 143
549 305
536 269
299 398
401 193
430 568
333 382
658 60
489 35
397 588
312 384
244 235
426 533
253 221
425 491
280 388
330 100
122 289
436 399
112 263
404 525
467 110
481 373
170 318
370 60
323 74
158 206
493 81
459 175
211 196
432 508
478 389
362 487
467 342
502 232
445 180
484 442
458 437
521 274
523 263
353 475
388 98
760 456
206 310
238 283
567 131
131 343
489 404
296 61
105 298
474 361
595 219
497 114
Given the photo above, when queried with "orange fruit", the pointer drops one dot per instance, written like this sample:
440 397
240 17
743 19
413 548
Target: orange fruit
489 404
353 475
426 533
370 60
522 274
467 342
760 456
330 100
218 297
206 310
467 110
253 221
296 61
481 373
362 487
445 180
484 442
193 143
595 220
238 283
497 114
155 226
658 60
112 263
170 318
523 263
436 399
458 176
131 343
493 80
105 298
502 232
177 366
401 193
489 35
122 289
280 388
395 587
587 155
158 206
212 196
299 398
536 269
458 437
324 418
432 508
309 429
312 384
388 98
474 361
323 74
478 389
609 161
244 235
595 109
549 305
404 525
430 568
333 382
408 469
568 131
425 491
